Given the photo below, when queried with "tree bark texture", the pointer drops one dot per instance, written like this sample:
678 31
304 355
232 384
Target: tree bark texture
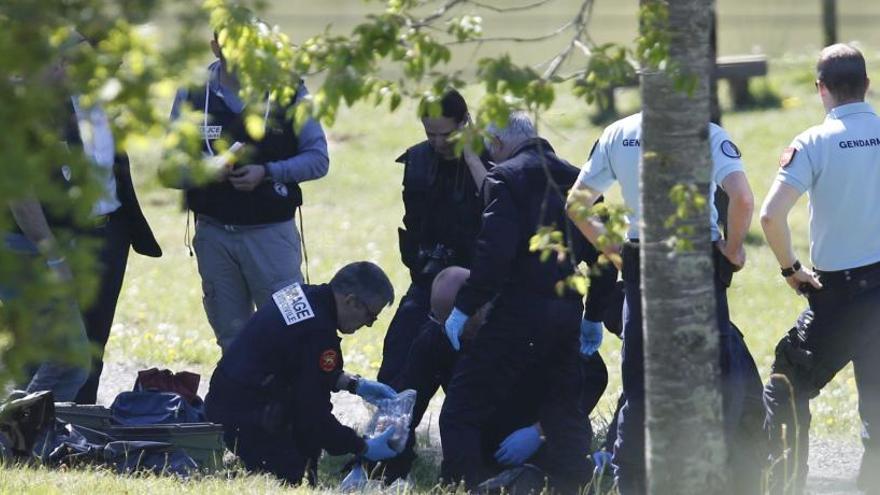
685 444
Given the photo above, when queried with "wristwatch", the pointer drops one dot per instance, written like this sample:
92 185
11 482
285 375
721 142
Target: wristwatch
787 272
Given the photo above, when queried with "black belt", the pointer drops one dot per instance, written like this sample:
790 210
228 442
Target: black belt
202 218
861 276
631 271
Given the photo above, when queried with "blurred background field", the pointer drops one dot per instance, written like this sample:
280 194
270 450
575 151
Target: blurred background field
354 212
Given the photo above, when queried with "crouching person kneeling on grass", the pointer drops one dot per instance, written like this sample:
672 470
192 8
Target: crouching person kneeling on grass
271 390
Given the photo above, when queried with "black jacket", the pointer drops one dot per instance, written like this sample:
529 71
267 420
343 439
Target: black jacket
442 207
295 365
522 194
142 239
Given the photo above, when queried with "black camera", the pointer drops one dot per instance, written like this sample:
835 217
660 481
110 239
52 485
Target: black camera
436 259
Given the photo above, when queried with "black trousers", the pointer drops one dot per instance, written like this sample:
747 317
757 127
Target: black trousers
429 367
740 389
845 327
280 453
404 328
531 340
115 240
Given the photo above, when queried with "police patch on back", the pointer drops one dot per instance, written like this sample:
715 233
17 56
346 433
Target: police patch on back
293 304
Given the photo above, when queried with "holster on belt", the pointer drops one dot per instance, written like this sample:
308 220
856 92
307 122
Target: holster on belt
723 267
629 254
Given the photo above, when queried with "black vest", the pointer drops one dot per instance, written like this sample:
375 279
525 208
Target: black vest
450 214
271 201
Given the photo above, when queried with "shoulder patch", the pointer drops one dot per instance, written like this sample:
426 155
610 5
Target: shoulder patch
293 304
729 149
329 360
787 156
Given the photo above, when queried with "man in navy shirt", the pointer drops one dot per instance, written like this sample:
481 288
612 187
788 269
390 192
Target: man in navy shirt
271 390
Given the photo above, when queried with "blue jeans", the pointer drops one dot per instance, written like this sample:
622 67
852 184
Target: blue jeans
55 329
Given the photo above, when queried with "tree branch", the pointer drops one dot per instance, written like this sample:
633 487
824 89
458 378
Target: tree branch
503 10
515 39
440 12
581 22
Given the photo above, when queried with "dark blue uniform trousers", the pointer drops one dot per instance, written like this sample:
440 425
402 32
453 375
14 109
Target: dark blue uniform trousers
845 328
741 394
525 338
430 367
280 451
411 314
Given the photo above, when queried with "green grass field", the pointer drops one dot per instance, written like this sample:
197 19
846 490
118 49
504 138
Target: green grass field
354 212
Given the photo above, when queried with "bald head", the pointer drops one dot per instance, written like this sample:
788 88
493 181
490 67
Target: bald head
841 69
446 285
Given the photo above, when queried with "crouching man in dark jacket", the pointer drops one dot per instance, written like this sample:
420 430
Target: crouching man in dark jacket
271 390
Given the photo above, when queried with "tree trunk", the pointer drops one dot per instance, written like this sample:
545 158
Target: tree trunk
829 21
685 444
714 105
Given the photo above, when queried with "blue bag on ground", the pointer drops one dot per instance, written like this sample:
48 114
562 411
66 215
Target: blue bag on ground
71 445
155 408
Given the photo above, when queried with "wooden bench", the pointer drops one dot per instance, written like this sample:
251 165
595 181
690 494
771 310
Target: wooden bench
735 69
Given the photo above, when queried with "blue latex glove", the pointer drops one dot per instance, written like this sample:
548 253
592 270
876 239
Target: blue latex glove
519 446
356 480
601 459
372 391
378 448
454 327
591 337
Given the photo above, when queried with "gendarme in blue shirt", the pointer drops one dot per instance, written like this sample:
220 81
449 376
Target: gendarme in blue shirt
617 156
837 163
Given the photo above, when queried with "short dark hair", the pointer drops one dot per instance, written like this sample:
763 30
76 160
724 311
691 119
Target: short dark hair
452 106
364 280
841 68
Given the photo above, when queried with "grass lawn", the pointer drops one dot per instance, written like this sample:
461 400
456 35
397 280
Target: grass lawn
353 214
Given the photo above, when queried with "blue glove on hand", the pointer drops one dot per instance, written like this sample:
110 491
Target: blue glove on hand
378 448
519 446
372 391
454 327
591 337
601 459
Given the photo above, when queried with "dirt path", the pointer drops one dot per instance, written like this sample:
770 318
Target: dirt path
834 462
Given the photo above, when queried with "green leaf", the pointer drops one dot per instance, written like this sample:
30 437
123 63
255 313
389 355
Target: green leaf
255 126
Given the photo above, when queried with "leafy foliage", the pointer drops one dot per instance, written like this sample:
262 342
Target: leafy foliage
44 63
